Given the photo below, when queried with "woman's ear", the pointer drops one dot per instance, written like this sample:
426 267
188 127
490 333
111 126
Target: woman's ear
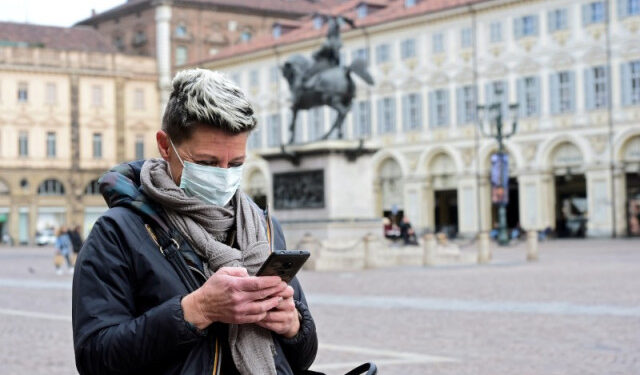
162 139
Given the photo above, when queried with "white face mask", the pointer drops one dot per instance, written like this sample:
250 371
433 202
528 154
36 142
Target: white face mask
211 185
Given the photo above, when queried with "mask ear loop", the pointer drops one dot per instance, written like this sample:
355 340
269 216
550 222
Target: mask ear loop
176 151
178 155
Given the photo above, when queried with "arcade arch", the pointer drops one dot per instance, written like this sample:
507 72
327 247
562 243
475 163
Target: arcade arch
442 194
569 186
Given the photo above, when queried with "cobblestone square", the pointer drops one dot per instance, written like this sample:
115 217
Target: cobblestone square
576 311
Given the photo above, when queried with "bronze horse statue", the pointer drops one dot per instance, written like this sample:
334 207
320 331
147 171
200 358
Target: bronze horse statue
333 87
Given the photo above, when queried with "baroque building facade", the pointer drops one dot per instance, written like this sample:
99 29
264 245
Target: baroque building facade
572 66
180 32
71 107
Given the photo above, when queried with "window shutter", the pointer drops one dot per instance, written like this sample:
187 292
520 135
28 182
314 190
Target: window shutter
517 28
535 25
460 105
367 118
586 14
589 89
406 125
522 97
380 116
446 108
474 99
625 83
537 96
392 125
505 98
572 90
356 118
551 21
554 91
607 75
488 94
418 124
432 109
622 8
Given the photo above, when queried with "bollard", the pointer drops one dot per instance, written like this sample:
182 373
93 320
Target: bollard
369 252
429 247
484 252
532 245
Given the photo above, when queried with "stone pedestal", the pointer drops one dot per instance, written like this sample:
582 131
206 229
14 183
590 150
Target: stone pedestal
324 189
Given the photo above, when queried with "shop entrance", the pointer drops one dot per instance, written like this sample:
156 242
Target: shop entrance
633 204
571 206
446 215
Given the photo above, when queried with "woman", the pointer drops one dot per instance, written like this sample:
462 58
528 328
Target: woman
132 313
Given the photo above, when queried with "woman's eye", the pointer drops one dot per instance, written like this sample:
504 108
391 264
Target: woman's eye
206 163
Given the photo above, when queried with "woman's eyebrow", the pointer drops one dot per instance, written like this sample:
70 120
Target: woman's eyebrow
205 157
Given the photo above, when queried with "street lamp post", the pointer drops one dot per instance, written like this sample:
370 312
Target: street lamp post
491 116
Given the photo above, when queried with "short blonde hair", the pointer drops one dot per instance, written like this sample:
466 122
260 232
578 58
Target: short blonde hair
202 96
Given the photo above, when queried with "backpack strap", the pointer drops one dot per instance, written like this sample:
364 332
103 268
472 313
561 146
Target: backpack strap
168 241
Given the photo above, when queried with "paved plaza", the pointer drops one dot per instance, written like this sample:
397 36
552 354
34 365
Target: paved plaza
576 311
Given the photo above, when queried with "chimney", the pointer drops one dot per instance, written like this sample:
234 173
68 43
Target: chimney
93 12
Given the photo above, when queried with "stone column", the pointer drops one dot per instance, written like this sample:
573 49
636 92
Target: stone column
599 203
163 50
620 200
467 205
530 201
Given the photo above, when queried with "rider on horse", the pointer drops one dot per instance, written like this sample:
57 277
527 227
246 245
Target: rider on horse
327 56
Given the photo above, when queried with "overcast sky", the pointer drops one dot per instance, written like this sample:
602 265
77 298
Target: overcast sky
52 12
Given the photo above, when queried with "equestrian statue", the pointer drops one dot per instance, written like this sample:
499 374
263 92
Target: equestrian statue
323 81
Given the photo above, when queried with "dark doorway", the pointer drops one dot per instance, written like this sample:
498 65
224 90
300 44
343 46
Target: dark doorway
446 202
571 206
633 204
260 200
513 213
513 207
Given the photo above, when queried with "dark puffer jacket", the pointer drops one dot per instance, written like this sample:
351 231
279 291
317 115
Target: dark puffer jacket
127 317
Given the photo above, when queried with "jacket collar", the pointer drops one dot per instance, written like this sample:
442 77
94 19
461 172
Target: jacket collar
120 187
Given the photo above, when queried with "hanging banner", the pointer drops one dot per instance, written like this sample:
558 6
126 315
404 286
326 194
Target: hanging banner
500 178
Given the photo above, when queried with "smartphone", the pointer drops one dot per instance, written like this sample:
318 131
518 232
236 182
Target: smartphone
283 263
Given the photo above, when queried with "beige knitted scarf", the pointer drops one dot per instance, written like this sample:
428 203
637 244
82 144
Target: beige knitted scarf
205 226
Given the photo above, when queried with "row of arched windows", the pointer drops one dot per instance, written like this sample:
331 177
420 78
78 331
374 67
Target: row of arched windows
53 187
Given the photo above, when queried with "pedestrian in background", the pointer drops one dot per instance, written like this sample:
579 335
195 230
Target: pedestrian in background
407 233
63 251
76 242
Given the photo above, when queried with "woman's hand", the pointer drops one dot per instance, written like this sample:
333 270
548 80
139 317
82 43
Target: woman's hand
232 296
283 319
